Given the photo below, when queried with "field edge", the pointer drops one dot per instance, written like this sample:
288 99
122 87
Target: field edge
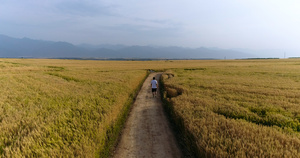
184 137
115 130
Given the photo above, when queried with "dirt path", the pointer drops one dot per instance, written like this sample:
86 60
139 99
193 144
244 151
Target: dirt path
147 132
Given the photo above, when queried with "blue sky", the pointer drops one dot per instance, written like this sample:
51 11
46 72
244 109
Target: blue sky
251 24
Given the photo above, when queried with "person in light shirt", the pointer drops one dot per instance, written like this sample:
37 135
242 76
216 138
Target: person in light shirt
154 85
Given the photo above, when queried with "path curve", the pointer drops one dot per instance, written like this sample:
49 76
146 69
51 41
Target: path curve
147 132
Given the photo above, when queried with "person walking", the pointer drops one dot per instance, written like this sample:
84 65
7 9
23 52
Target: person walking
154 86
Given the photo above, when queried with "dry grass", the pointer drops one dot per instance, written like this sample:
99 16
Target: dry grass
239 108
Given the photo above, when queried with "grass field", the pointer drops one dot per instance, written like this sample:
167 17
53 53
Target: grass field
227 108
238 108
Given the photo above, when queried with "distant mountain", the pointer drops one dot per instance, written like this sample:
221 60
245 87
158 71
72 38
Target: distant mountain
106 46
25 47
29 48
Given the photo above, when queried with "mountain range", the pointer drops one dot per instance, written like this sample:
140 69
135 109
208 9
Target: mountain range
29 48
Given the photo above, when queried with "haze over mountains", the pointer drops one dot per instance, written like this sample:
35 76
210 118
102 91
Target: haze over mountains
29 48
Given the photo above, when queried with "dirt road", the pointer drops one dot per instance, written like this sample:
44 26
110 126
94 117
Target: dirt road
147 132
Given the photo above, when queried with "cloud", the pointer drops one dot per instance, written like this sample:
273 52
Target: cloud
84 8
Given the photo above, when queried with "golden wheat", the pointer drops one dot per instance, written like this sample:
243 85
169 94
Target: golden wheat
57 108
66 108
239 108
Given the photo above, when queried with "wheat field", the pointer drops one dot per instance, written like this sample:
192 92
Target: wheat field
58 108
238 108
226 108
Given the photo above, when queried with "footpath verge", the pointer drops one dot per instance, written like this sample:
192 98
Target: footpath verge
114 132
184 137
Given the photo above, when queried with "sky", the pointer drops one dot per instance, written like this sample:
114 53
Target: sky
247 24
